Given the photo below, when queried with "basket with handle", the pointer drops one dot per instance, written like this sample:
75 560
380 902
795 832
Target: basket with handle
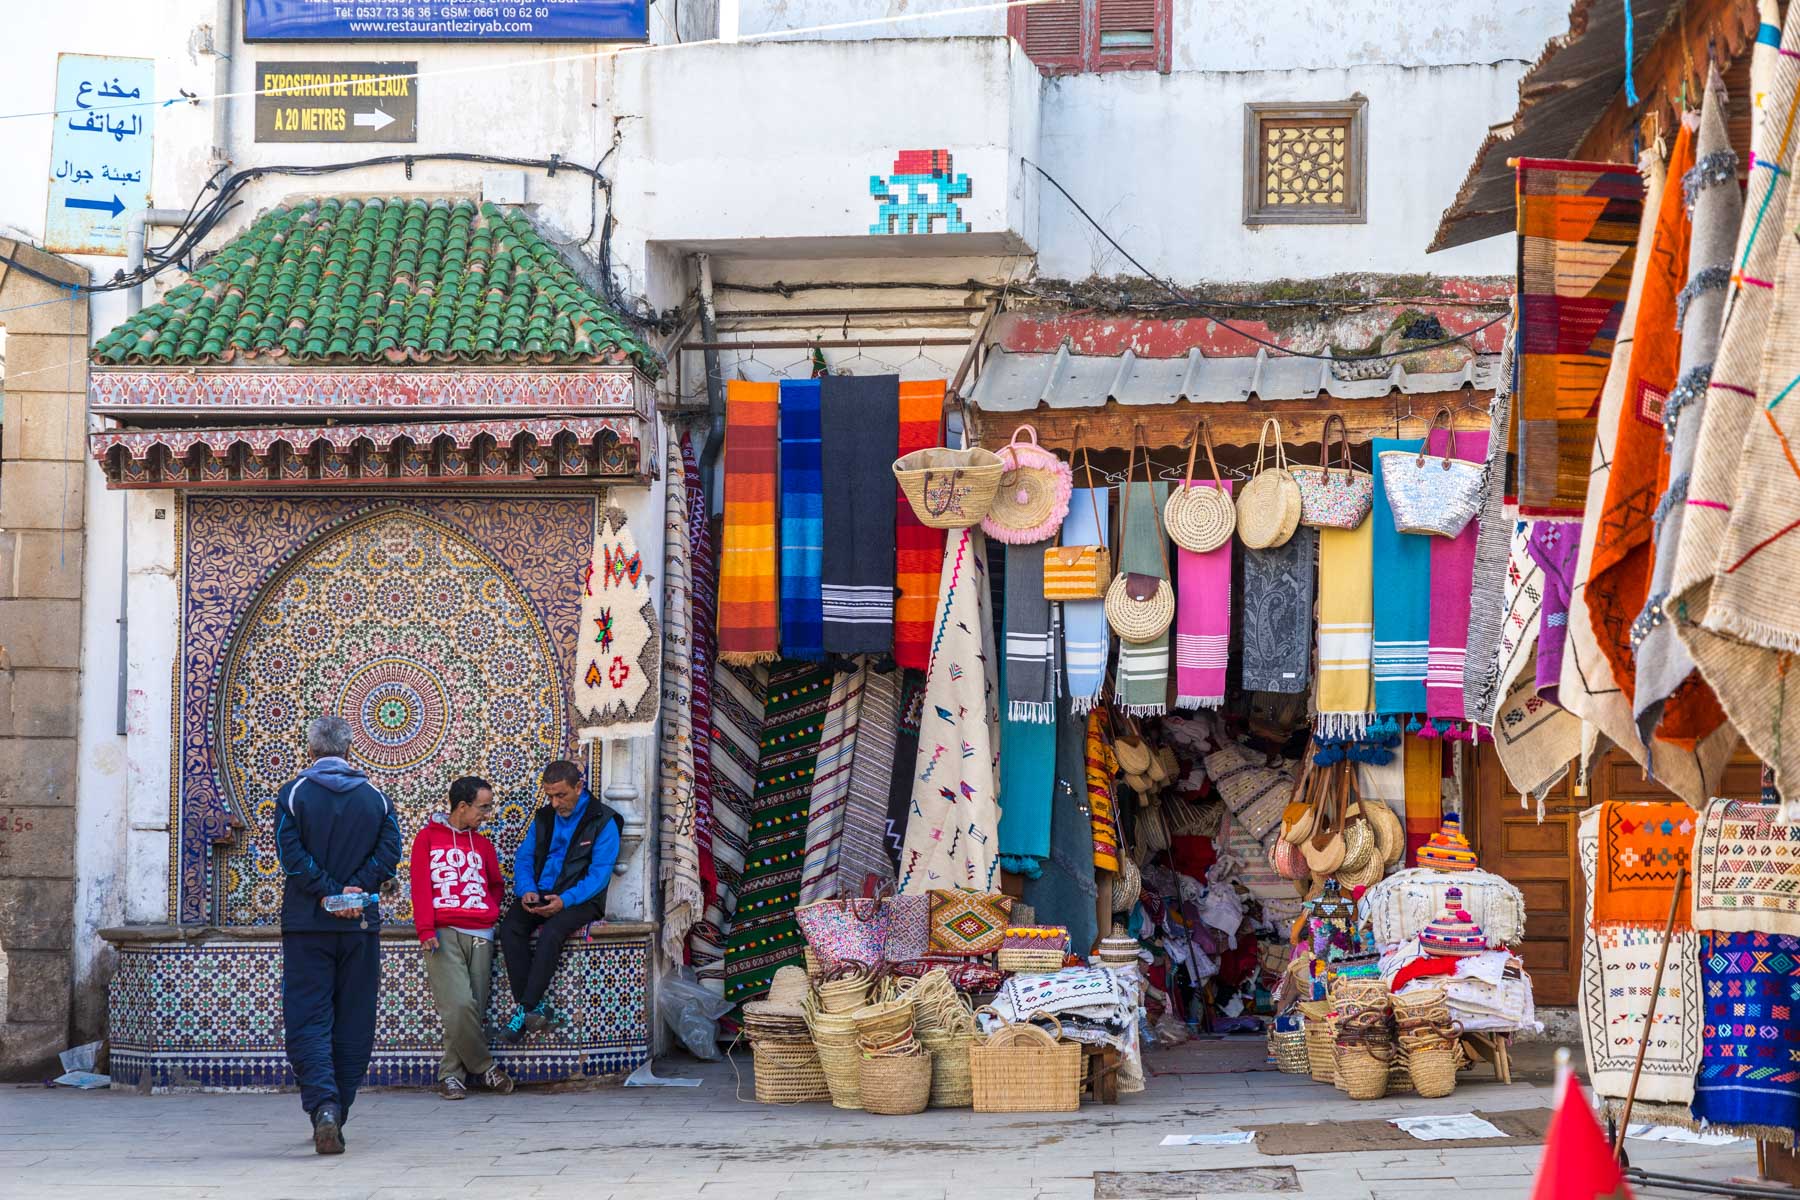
845 988
949 489
1334 497
1080 572
1268 507
896 1085
1033 496
1316 1021
1022 1068
1140 607
951 1084
1435 495
1200 518
788 1074
840 1055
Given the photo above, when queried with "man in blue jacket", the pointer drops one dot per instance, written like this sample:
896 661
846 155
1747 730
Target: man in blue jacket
560 875
335 835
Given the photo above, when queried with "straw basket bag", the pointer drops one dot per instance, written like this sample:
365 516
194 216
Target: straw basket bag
949 489
846 989
1334 497
1268 507
951 1084
896 1085
1139 607
840 1055
1080 572
1438 496
1200 518
1033 496
1287 1044
1021 1068
1317 1024
788 1074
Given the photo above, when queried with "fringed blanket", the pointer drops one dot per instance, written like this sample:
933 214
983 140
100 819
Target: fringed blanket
739 696
678 852
1278 615
860 427
705 579
764 936
952 829
1087 639
1064 893
1402 561
918 549
1749 1081
1577 225
1203 621
1031 674
1618 972
618 672
1452 582
1027 778
1533 738
831 783
802 521
1642 849
749 616
1143 681
864 861
1345 698
1747 870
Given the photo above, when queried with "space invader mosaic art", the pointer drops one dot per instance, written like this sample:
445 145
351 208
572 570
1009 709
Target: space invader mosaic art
922 188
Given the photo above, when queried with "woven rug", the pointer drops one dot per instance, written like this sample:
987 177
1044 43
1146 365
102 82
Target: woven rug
1087 639
739 695
749 617
701 662
1577 225
1521 608
802 522
1535 740
1553 548
617 691
1747 870
1493 537
952 834
1452 585
1749 1081
918 549
1345 697
678 851
864 862
1619 574
859 424
1643 847
764 936
1143 678
1278 615
1618 974
1203 621
1402 561
1102 769
1665 670
826 807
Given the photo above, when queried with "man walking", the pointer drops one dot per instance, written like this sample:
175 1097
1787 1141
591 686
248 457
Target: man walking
560 875
456 890
336 836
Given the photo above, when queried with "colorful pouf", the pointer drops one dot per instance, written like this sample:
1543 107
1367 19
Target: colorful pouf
1454 934
1448 849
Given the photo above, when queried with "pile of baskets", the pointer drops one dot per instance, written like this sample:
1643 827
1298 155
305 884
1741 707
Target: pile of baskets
1362 1039
788 1070
895 1071
946 1028
1430 1043
830 1012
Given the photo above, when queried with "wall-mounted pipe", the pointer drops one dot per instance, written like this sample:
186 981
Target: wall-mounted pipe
224 40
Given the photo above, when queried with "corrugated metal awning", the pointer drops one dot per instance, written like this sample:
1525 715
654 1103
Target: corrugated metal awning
1020 382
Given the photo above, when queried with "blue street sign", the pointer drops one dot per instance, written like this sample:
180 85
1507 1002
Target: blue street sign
100 144
447 21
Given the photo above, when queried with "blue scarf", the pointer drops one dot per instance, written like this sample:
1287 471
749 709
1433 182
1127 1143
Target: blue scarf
1402 601
802 522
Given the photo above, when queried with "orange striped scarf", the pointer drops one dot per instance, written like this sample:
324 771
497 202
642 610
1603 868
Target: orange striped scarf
749 613
919 549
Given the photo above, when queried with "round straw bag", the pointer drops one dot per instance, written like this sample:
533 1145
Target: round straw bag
1200 518
1033 496
1390 834
1139 607
949 489
896 1085
1268 507
1324 850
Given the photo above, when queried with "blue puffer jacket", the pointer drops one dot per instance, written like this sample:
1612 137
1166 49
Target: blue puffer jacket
333 829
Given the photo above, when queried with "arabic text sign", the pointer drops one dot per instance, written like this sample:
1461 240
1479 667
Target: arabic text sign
99 152
447 20
337 102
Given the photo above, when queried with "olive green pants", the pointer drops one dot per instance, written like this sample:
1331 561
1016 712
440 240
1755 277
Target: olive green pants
461 971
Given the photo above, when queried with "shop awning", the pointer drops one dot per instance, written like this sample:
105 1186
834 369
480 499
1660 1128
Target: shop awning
567 449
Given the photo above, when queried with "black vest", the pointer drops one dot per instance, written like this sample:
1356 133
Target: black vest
581 846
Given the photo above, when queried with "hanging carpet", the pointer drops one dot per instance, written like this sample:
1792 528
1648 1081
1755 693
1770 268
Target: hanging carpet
749 616
860 428
802 522
918 549
618 669
678 851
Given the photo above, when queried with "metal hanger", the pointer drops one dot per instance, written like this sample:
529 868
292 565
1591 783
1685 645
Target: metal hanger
885 368
931 364
742 362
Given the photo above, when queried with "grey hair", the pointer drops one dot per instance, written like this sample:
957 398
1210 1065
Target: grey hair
328 737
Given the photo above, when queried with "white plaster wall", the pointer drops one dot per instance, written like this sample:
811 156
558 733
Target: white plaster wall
155 611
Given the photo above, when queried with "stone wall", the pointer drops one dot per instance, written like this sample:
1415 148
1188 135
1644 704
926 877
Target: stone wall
41 547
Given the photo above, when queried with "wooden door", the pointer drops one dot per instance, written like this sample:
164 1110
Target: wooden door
1540 860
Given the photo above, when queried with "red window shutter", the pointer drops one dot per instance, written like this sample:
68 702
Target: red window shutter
1130 35
1050 34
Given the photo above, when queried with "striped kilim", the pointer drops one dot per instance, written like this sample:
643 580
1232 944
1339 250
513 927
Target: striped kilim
764 936
1749 1079
831 784
737 696
1578 225
683 894
918 549
748 613
864 858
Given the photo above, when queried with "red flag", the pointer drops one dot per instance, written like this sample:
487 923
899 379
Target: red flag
1577 1163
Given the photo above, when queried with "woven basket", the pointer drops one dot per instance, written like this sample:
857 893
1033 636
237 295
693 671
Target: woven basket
1268 507
1139 620
1399 1076
896 1085
788 1074
1319 1041
840 1055
1363 1073
1201 518
951 1085
1021 1068
1030 962
1433 1062
1288 1049
949 489
885 1021
844 995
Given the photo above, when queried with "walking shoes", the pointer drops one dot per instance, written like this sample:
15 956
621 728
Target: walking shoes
328 1130
497 1080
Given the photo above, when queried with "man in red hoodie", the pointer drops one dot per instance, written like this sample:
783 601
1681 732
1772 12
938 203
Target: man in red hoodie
456 891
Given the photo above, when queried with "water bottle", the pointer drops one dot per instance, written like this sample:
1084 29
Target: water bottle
345 901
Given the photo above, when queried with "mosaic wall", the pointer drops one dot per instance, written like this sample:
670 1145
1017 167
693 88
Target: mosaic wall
209 1015
440 627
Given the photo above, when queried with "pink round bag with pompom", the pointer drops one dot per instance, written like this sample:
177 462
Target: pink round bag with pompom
1034 492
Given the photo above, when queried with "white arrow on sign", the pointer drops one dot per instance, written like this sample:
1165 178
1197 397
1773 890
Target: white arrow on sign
376 120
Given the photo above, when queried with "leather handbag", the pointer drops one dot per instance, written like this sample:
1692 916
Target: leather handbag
1140 607
1200 518
1268 507
1437 496
1079 572
1334 497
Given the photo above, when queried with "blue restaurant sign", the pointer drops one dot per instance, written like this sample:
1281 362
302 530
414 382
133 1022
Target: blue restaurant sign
446 21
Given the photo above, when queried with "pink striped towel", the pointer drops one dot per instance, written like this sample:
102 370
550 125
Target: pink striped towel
1202 621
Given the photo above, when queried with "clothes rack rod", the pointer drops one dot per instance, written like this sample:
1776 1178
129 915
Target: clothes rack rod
827 344
942 310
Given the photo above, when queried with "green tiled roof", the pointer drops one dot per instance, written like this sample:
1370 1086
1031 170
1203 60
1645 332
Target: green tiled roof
378 283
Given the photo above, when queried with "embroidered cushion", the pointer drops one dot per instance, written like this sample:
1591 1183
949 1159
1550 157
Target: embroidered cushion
909 928
968 924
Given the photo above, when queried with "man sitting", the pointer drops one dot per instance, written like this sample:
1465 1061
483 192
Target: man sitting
560 875
456 892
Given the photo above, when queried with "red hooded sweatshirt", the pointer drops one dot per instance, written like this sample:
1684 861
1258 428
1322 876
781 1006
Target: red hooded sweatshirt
456 879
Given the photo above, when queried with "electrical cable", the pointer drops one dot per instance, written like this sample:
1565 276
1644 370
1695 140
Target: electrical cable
1205 305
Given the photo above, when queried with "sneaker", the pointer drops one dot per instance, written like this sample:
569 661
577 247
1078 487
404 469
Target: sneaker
514 1029
453 1088
328 1130
539 1018
497 1080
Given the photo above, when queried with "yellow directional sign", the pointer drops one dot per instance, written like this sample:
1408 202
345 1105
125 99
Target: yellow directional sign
337 102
